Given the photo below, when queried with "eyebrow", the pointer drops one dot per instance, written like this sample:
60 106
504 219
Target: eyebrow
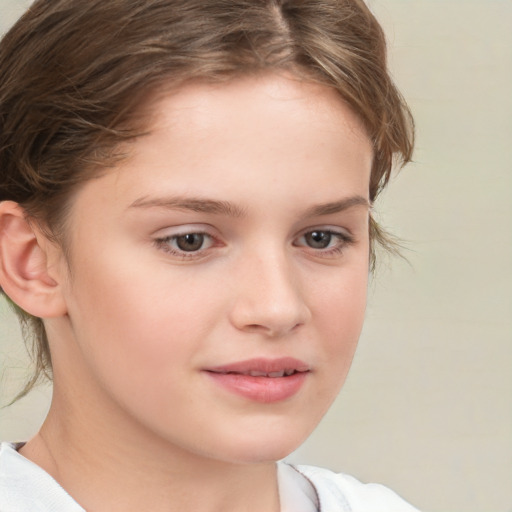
229 209
191 203
337 206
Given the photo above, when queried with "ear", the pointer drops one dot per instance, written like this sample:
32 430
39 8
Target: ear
25 273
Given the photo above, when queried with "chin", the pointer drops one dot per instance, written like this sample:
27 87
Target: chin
262 446
255 455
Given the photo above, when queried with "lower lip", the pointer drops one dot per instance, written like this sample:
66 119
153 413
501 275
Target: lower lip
260 389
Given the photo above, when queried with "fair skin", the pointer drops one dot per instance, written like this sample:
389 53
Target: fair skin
268 176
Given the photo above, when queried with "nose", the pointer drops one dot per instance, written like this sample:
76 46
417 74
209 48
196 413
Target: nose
268 297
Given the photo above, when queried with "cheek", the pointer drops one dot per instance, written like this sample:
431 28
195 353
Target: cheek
339 310
132 322
339 298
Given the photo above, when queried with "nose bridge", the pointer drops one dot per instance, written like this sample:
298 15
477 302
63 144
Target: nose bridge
269 296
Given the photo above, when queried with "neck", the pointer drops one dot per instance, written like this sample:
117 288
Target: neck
107 468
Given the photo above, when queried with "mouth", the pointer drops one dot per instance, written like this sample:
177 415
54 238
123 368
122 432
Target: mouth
262 367
262 380
287 372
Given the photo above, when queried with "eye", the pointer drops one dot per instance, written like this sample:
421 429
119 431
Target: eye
190 242
324 241
318 239
186 244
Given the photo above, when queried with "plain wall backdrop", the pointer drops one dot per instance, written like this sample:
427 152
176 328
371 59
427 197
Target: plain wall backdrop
427 408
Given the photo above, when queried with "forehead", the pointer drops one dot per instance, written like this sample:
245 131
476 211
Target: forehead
254 139
278 110
286 96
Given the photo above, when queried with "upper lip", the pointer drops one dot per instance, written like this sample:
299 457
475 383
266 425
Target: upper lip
263 367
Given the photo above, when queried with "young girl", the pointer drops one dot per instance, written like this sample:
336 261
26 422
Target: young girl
185 226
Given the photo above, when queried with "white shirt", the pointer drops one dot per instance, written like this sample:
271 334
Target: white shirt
25 487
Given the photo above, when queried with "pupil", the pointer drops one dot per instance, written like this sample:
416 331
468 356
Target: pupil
319 239
190 242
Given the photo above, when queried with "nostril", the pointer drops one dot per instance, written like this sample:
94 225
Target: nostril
272 305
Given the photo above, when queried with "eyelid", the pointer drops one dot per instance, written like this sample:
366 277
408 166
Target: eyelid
335 230
163 241
184 229
345 237
164 237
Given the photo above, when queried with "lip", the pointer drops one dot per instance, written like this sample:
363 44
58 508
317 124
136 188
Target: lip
262 380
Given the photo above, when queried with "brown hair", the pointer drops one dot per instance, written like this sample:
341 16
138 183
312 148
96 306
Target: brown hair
74 72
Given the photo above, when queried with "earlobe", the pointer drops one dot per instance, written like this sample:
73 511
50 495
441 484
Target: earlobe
24 267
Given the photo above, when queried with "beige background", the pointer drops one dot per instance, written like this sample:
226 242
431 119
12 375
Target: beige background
427 408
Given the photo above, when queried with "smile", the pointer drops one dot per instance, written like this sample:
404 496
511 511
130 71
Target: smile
258 373
262 380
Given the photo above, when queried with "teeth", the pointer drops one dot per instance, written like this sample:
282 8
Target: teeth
276 374
256 373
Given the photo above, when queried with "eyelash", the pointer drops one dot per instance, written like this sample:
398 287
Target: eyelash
165 245
344 240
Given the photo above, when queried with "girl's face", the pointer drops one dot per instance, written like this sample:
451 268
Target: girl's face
229 251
